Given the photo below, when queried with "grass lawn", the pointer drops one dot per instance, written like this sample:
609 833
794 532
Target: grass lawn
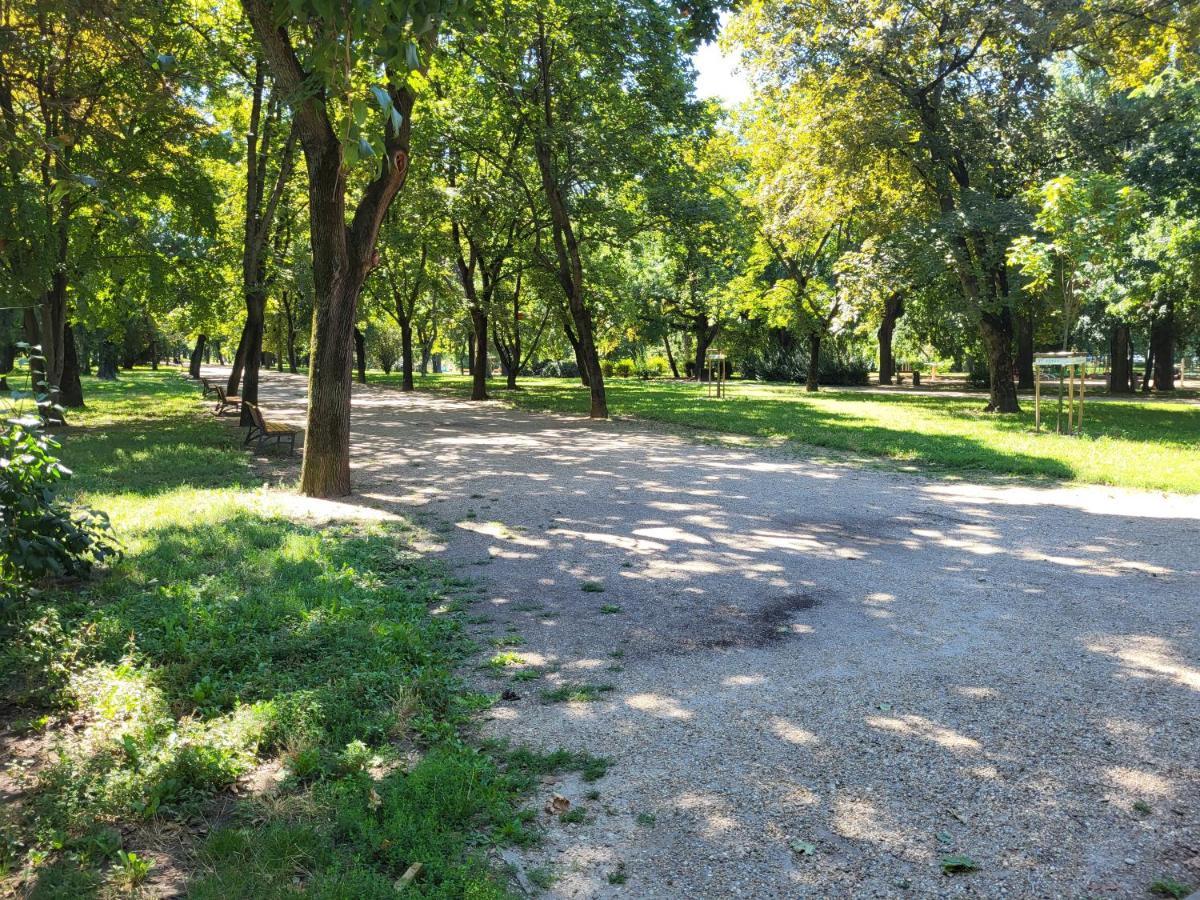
242 706
1148 444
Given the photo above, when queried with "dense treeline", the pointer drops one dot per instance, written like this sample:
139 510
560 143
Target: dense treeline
533 184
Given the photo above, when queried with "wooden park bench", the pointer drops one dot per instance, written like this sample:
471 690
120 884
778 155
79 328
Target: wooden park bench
226 402
264 431
209 387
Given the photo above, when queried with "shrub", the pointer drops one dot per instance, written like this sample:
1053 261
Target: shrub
385 345
561 368
41 536
624 368
777 363
654 367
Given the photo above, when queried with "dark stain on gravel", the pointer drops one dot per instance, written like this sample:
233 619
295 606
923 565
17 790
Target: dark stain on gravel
739 627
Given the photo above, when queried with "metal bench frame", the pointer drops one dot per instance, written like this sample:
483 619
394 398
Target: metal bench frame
260 430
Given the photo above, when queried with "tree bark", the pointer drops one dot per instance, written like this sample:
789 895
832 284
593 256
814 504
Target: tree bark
239 361
1148 369
406 357
360 355
893 309
70 387
479 362
996 332
1120 372
812 383
197 355
256 310
1162 337
670 356
705 335
578 350
1025 326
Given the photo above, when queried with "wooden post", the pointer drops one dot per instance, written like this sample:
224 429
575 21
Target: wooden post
1037 399
1082 391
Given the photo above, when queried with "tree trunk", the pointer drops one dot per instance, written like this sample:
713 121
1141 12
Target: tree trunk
670 356
1120 372
1162 339
54 316
406 360
893 309
1148 369
812 384
70 388
197 355
705 334
426 353
996 332
471 354
1025 351
106 367
256 309
566 245
360 355
479 361
239 361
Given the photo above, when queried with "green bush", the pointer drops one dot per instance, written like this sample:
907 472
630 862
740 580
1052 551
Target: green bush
40 536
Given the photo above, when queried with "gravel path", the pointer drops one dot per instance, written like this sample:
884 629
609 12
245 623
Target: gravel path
824 679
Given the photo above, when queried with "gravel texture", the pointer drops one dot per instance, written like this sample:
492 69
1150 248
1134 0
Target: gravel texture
825 679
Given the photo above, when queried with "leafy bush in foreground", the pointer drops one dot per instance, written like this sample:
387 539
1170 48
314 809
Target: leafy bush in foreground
40 536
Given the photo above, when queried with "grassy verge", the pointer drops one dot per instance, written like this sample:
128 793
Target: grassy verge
1138 444
243 706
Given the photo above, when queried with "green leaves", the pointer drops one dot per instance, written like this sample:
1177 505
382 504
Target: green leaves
958 864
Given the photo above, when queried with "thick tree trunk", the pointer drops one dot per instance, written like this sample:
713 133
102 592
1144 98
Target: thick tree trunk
1025 326
406 358
996 332
71 389
360 355
1162 337
893 309
1120 373
471 354
426 353
479 361
197 356
812 384
577 349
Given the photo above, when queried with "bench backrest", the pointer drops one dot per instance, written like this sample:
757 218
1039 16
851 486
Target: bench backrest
257 417
221 393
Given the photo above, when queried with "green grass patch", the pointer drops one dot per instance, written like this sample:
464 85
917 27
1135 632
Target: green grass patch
1127 443
227 637
577 693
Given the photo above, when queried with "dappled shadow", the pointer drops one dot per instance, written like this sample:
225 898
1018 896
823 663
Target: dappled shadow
157 437
885 667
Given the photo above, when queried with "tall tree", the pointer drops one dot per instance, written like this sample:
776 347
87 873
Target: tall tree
333 63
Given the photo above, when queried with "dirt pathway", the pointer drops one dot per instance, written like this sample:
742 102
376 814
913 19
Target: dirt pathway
823 680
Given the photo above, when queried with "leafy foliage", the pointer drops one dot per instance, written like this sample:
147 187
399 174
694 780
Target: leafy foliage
40 535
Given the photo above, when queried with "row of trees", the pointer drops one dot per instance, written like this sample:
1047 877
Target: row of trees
536 181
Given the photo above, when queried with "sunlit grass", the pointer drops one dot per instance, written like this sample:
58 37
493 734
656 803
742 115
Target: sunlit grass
1127 443
225 639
